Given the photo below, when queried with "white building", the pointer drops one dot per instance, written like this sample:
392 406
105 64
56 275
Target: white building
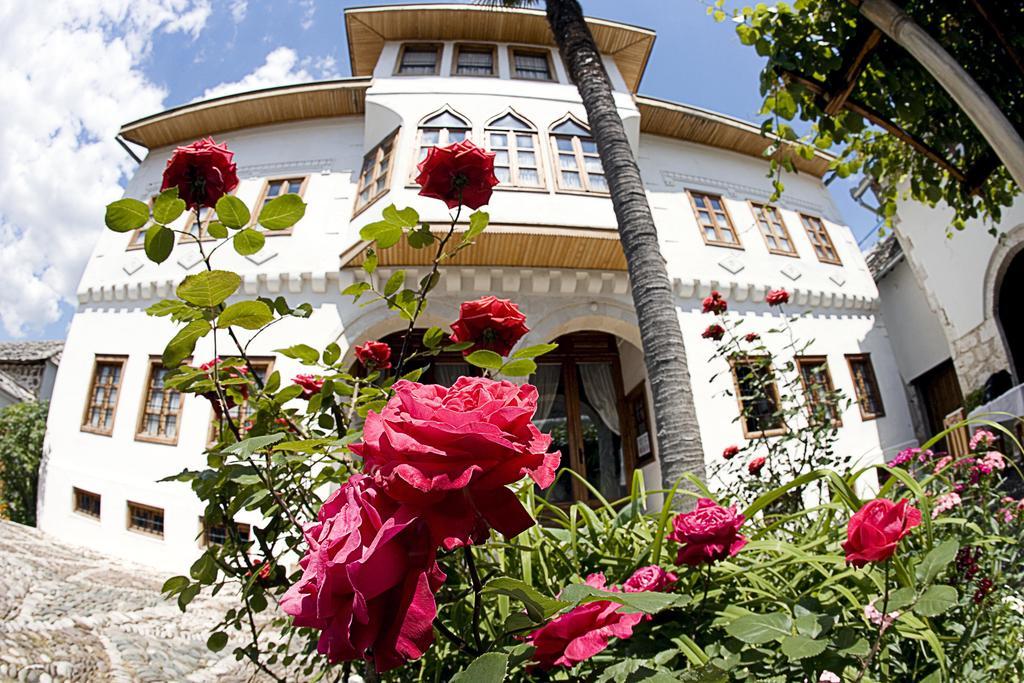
432 74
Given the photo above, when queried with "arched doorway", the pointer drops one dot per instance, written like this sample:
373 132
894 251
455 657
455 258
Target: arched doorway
1009 312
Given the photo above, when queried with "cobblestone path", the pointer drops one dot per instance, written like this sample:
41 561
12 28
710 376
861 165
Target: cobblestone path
68 614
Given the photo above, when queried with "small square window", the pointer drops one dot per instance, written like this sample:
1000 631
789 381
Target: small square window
86 502
474 60
532 65
217 534
758 396
419 60
148 520
713 219
824 249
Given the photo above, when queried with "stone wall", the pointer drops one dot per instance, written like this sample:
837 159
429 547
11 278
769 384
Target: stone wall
28 375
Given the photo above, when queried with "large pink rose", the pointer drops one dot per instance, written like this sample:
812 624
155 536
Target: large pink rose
490 323
582 632
707 534
369 578
650 578
451 452
875 530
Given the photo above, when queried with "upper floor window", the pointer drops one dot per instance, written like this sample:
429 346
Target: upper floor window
419 59
776 236
474 60
104 391
822 243
578 165
758 396
438 130
161 410
821 394
515 146
375 175
531 64
869 396
713 219
275 187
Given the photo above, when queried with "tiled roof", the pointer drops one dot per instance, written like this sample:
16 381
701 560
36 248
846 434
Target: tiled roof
884 254
30 350
9 386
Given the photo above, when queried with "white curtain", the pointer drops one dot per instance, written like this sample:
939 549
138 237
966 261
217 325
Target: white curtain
546 380
600 388
448 373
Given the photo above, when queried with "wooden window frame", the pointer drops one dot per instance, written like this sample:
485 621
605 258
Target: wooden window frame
139 530
759 210
97 361
513 184
493 49
552 74
807 221
851 359
638 395
580 155
376 151
75 491
760 434
738 244
438 50
155 362
442 140
258 206
205 531
812 404
213 435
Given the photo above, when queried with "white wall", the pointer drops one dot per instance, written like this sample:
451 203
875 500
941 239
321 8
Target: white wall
916 334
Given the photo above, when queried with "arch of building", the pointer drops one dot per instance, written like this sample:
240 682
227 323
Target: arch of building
1005 272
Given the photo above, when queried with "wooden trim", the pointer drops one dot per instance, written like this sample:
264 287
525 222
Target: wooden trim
513 152
826 373
438 50
377 152
758 209
579 156
258 206
821 231
765 433
638 394
156 363
738 244
97 361
865 358
148 508
512 49
75 491
478 46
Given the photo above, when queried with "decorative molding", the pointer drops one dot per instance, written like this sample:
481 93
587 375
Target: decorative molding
132 265
792 272
740 192
304 166
732 264
261 257
190 259
838 278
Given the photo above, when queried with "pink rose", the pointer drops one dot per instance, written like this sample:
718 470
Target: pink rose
651 578
582 632
203 173
875 530
777 297
368 579
451 452
707 534
311 385
730 452
491 323
714 303
713 331
374 355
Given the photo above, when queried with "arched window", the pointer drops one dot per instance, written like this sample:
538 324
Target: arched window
443 128
578 165
516 149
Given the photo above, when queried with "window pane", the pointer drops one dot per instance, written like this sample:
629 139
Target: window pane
503 174
501 157
552 418
567 161
419 60
499 140
564 144
533 65
571 180
526 159
598 183
588 146
524 141
593 165
599 417
529 176
475 61
510 122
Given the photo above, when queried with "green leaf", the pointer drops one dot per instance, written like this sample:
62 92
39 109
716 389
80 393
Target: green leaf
394 282
209 288
901 597
217 230
251 315
371 260
937 560
168 207
356 289
519 368
159 243
126 215
232 211
477 224
332 352
179 310
433 337
383 233
538 606
186 596
650 602
282 212
406 218
421 237
183 344
248 241
760 628
936 600
488 360
204 570
303 352
217 641
174 585
534 351
801 647
246 447
487 668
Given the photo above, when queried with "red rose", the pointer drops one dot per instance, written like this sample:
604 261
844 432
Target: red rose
876 529
715 303
756 465
374 355
490 323
652 578
777 297
311 385
708 534
752 336
582 632
368 579
730 451
714 331
203 173
461 173
451 452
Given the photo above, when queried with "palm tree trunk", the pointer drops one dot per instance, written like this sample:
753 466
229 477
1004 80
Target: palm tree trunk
679 445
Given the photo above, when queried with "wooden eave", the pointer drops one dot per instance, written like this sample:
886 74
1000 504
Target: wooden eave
343 97
692 124
513 246
368 28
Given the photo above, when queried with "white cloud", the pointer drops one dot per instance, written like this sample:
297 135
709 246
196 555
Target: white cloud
308 11
72 74
281 67
238 9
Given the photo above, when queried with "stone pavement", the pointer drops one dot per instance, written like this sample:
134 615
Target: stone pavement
69 614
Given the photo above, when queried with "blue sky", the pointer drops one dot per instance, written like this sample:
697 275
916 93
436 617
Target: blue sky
162 53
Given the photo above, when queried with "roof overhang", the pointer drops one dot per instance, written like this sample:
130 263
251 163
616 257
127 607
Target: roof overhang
343 97
693 124
368 28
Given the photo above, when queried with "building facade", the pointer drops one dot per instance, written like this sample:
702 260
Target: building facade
425 75
28 370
